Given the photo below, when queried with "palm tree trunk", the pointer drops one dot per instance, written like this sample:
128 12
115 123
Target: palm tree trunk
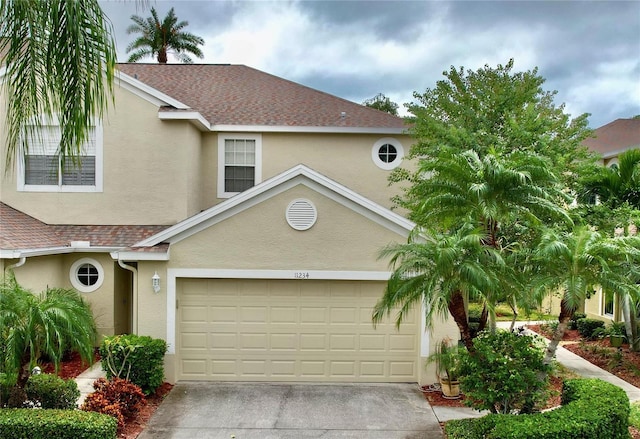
563 322
162 55
459 313
630 322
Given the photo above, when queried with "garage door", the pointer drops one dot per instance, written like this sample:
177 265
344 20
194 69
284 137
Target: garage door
303 330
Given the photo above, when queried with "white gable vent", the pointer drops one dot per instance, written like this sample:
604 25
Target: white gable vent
301 214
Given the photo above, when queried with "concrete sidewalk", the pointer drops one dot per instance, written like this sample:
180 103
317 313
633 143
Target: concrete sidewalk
85 380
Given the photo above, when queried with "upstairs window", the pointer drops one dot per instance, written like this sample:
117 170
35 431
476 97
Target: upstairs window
239 163
42 169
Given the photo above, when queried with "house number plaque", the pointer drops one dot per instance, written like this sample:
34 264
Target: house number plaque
301 275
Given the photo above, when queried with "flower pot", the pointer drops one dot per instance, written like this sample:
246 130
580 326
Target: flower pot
616 340
450 389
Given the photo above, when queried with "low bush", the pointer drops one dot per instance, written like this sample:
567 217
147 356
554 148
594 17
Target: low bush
573 322
118 398
58 424
502 374
587 327
591 409
139 359
52 392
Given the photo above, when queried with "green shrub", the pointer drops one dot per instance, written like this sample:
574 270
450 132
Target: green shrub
586 327
58 424
139 359
52 392
502 374
118 398
591 409
573 322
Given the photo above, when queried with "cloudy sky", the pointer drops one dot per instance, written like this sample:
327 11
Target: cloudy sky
588 51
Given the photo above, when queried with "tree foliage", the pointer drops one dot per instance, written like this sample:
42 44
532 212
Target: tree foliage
494 155
382 103
158 38
59 57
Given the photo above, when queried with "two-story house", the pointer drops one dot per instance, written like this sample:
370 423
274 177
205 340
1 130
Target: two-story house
235 214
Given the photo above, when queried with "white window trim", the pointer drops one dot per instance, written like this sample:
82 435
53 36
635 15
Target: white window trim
222 137
603 302
73 275
376 148
98 187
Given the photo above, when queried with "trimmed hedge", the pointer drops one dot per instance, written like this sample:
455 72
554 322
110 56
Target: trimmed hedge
58 424
53 392
587 327
591 409
139 359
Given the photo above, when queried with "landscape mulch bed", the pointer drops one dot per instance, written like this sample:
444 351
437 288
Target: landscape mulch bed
72 366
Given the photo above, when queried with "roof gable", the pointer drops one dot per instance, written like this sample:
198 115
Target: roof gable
300 174
237 95
615 137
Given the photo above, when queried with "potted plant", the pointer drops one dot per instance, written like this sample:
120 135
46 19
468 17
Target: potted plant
447 359
616 334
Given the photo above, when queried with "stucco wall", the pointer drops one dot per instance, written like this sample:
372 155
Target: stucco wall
260 238
151 175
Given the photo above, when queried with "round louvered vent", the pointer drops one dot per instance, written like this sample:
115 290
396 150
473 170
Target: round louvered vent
301 214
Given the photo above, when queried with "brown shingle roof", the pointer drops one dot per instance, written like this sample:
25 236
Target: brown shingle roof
616 136
19 231
240 95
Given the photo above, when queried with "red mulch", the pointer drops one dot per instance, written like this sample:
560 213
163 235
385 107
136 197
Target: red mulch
72 366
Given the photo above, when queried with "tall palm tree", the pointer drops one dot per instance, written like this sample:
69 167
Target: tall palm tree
59 57
48 324
159 38
579 261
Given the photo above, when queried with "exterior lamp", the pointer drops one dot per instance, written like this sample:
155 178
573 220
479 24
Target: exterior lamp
155 282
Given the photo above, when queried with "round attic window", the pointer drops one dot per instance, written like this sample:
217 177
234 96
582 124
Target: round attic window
301 214
387 153
86 275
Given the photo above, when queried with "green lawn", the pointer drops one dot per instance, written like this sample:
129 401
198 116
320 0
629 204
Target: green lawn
504 313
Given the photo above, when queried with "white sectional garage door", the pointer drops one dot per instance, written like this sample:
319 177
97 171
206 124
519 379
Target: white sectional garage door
290 330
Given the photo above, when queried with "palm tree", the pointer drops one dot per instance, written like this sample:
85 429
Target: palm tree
158 38
438 272
617 184
579 261
49 324
59 57
501 198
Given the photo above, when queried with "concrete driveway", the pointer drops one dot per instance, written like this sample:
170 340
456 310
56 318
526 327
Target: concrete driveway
197 410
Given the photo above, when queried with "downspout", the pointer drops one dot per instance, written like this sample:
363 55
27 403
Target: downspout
20 263
134 310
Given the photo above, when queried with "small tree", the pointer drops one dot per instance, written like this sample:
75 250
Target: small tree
502 375
382 103
48 324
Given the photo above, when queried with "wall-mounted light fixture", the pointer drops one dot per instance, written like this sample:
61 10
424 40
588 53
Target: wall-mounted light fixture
155 282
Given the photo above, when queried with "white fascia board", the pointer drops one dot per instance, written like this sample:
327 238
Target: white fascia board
611 154
37 252
193 116
272 187
146 92
306 129
139 256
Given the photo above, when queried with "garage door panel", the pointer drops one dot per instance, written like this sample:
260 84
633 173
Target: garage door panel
290 331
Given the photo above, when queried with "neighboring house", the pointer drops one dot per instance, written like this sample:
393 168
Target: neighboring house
610 141
235 214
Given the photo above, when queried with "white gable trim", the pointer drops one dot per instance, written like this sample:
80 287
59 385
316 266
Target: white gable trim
299 174
173 274
146 92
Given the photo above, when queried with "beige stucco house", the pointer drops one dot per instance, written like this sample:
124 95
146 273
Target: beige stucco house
610 141
235 214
